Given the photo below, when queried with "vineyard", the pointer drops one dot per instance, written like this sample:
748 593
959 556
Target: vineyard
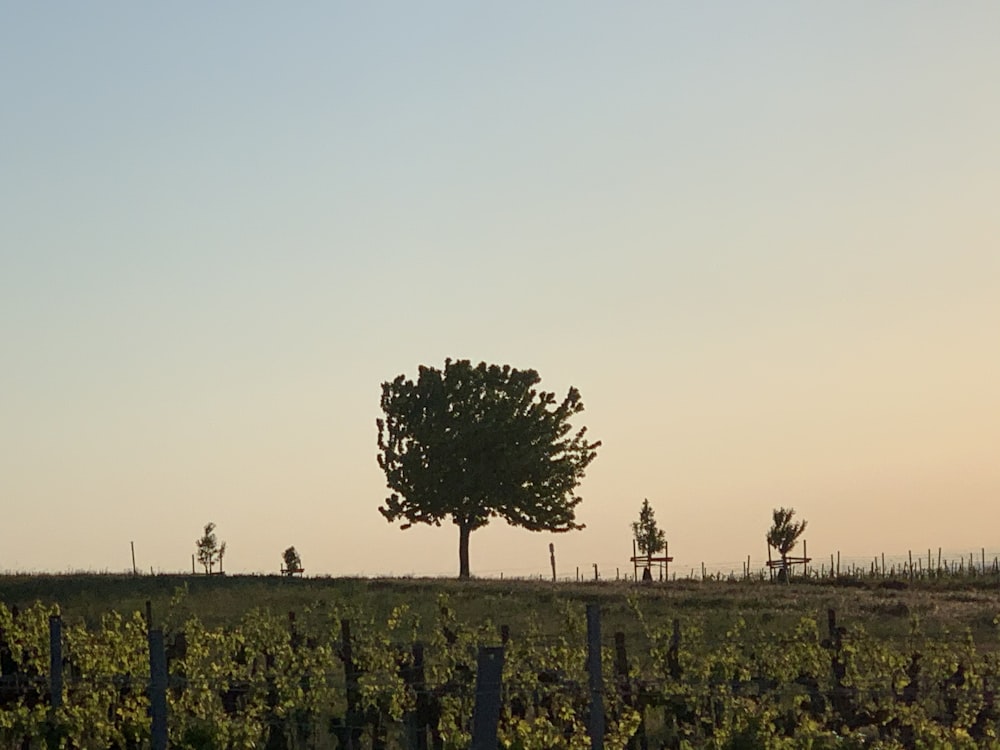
334 676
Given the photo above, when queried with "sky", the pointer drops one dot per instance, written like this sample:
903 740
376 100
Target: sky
760 238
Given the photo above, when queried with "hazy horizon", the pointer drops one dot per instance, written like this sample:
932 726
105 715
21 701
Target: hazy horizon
760 240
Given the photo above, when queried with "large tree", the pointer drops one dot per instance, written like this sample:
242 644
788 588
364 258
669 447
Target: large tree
471 443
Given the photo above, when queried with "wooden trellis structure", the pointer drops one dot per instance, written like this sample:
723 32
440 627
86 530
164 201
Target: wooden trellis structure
647 562
775 567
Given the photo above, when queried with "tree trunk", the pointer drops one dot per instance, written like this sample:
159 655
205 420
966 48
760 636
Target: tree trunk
463 550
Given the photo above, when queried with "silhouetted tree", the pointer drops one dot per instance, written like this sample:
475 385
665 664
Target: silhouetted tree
649 537
784 534
209 549
474 443
293 563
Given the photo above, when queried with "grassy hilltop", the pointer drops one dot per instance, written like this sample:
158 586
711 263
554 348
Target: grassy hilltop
888 608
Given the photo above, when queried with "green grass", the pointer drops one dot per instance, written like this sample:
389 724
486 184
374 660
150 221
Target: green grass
940 608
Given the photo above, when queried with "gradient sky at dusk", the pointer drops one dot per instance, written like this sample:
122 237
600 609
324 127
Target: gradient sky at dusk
760 238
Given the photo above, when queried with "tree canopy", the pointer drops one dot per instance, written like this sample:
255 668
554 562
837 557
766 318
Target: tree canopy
472 443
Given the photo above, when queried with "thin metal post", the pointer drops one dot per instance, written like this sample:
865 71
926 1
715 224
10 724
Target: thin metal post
595 726
486 713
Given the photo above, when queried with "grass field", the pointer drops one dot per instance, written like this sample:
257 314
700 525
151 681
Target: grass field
884 608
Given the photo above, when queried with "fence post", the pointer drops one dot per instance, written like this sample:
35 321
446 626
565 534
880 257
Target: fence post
418 719
55 662
354 716
595 726
486 713
54 733
625 689
157 690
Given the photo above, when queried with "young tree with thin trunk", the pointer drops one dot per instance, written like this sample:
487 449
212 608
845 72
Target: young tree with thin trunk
649 537
209 549
472 443
293 563
784 534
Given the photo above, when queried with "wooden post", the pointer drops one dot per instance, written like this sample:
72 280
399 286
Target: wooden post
55 662
552 559
595 726
354 715
192 565
157 691
638 740
135 570
621 668
635 561
577 573
939 559
910 552
673 653
486 713
838 563
883 564
417 720
596 575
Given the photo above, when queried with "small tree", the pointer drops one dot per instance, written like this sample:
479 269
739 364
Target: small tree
649 537
784 534
293 563
209 549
